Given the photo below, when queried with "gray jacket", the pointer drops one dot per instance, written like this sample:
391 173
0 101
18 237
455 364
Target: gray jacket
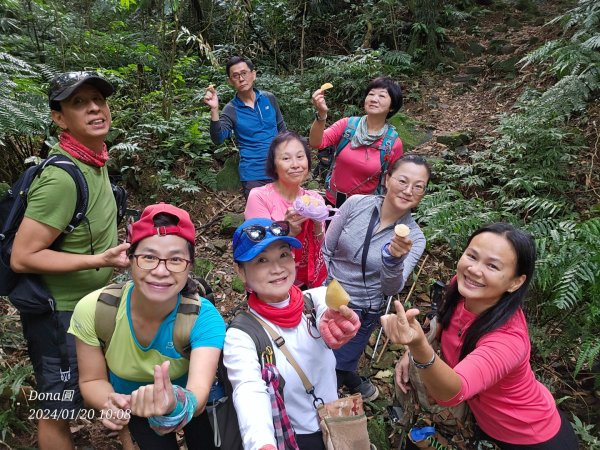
343 249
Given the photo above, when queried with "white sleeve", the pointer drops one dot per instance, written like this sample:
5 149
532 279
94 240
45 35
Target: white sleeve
250 395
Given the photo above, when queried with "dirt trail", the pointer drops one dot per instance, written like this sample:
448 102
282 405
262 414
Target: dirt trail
483 78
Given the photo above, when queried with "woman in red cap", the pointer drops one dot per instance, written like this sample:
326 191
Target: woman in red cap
143 380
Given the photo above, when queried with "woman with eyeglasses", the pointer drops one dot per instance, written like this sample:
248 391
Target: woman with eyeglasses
364 253
485 346
288 163
139 379
262 252
365 146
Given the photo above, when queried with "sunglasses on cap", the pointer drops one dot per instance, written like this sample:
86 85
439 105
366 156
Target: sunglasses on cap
257 233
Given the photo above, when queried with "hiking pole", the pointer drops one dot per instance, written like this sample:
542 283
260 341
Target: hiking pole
387 309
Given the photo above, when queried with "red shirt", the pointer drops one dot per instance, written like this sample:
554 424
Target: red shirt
356 170
507 401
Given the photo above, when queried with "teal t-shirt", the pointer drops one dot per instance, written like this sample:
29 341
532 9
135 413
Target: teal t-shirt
130 364
51 201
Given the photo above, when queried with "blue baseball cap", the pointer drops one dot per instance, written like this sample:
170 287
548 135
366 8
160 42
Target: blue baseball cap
245 249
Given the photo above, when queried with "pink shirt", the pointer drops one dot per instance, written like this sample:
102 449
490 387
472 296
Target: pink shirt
356 170
507 401
266 202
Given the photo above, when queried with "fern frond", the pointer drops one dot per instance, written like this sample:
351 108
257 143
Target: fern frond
592 43
534 205
541 54
589 352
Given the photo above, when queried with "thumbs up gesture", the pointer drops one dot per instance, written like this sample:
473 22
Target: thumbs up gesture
155 399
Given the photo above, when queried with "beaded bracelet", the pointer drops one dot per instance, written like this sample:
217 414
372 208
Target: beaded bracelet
419 365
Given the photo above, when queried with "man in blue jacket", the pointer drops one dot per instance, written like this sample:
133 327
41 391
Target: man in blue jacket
253 116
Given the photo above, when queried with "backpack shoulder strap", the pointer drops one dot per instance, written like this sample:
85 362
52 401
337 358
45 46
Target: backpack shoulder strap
348 133
309 309
80 183
20 190
107 306
187 313
385 152
388 140
247 323
105 317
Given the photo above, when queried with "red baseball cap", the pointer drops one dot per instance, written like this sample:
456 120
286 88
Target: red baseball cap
145 227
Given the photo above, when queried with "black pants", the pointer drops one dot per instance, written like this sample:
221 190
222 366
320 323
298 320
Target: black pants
565 439
312 441
198 435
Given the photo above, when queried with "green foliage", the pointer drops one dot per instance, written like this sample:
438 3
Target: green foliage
23 116
407 130
583 431
450 218
351 74
13 376
574 60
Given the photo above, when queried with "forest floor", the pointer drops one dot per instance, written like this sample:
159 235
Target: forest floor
468 97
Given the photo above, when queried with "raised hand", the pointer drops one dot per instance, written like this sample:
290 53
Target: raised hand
117 256
295 220
318 100
399 246
211 98
155 399
338 327
403 327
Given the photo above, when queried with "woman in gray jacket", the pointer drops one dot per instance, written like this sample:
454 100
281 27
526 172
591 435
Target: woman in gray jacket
371 260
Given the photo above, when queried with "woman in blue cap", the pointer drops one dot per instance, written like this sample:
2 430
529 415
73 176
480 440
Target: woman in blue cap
262 251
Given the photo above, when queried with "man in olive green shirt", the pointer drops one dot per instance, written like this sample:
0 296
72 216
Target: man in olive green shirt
84 260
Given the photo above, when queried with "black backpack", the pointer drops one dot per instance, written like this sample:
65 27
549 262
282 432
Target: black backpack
27 292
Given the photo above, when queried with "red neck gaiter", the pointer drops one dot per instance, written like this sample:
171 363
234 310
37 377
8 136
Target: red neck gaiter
77 150
288 317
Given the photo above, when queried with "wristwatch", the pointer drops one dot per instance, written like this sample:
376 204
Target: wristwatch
318 118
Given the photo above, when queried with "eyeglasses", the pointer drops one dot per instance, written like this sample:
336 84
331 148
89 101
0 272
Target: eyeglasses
238 75
151 262
257 233
417 189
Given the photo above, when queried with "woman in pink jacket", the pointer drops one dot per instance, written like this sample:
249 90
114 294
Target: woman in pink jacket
485 345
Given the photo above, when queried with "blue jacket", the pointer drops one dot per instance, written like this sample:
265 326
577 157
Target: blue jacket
254 129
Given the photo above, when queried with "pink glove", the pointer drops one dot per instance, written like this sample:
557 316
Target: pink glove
338 327
268 447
